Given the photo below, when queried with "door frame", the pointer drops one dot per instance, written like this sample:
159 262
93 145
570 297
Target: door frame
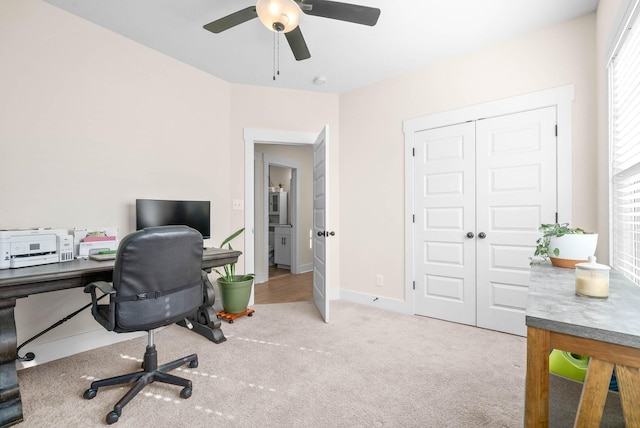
560 97
253 136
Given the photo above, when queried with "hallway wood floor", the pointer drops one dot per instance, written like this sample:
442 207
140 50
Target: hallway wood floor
284 287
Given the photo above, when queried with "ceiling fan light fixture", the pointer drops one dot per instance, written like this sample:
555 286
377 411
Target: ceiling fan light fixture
281 16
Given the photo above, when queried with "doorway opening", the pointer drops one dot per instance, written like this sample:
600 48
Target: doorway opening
318 233
286 190
280 216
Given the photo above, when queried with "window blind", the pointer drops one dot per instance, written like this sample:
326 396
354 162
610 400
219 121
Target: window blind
624 75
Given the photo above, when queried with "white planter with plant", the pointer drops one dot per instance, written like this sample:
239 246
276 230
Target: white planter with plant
565 246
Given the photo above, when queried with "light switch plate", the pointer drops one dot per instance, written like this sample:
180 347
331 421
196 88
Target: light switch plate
238 204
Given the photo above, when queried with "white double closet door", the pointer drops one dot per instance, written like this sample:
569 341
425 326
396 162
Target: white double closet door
482 188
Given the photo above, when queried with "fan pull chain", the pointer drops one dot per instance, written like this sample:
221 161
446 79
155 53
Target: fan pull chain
276 55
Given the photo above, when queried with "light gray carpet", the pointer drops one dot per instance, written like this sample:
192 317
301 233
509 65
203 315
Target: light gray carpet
284 367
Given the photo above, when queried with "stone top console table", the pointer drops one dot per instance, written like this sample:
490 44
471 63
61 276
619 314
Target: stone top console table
607 330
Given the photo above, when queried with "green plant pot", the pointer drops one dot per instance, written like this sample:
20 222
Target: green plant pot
235 294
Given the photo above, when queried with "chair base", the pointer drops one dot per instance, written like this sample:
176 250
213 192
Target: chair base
150 373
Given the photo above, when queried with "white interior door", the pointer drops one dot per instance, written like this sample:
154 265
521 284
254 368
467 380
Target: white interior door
445 214
515 193
321 234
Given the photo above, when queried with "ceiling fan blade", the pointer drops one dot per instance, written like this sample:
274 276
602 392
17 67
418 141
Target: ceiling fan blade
343 11
297 44
232 20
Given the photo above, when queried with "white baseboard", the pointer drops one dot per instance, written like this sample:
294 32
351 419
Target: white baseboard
61 348
393 305
264 277
306 268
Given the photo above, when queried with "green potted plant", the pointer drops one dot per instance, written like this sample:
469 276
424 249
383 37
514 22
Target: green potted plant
235 290
565 246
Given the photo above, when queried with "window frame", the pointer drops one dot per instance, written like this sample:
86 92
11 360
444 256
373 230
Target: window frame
628 17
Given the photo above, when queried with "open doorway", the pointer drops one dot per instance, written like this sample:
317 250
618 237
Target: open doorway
283 223
321 247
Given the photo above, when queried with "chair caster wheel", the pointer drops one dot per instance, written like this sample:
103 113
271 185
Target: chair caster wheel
112 417
90 393
193 364
185 393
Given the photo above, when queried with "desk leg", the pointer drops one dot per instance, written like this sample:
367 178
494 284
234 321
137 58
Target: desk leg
10 403
629 385
206 322
536 405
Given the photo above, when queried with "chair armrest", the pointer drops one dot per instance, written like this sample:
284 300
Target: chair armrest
105 287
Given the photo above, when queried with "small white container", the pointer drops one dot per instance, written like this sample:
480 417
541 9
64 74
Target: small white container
592 279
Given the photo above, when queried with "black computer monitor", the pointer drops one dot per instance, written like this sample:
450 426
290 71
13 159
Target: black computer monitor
156 212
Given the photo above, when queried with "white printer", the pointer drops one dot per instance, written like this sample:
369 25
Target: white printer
31 247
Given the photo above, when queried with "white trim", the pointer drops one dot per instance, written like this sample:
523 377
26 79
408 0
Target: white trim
530 101
306 268
560 97
393 305
626 12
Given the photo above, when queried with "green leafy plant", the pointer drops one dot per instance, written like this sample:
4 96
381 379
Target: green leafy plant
549 230
229 270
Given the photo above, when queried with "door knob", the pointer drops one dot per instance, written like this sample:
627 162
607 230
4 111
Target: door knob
321 233
332 233
482 235
470 235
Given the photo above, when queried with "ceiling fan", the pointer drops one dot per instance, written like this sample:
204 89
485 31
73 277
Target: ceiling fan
282 16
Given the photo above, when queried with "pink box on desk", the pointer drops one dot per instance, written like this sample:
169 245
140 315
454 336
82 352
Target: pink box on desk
98 238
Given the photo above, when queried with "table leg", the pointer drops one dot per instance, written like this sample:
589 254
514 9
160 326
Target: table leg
629 386
10 403
537 378
594 394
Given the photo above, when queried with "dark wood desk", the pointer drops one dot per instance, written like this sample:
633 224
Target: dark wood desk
607 330
22 282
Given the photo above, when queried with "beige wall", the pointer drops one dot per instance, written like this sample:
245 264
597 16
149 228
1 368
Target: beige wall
371 138
89 121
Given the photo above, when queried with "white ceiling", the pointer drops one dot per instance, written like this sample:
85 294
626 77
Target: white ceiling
410 34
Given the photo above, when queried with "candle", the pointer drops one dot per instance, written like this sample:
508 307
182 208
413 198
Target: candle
592 279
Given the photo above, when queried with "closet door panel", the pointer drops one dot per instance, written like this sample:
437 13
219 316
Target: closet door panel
445 213
516 192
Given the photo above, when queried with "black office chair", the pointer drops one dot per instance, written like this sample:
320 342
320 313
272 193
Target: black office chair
156 282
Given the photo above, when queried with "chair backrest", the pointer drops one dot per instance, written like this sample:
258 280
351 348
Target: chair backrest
157 277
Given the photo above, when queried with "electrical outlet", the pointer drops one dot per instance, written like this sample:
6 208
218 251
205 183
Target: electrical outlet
379 280
238 204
